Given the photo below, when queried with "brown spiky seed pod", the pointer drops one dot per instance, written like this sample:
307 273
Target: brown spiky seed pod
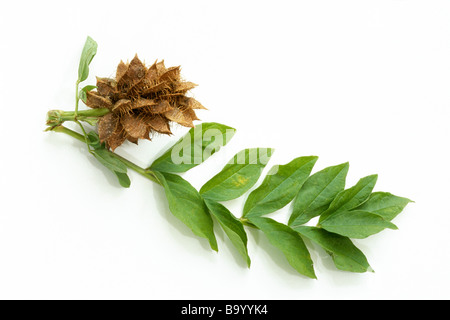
142 101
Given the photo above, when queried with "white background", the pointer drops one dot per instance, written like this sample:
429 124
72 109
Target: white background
360 81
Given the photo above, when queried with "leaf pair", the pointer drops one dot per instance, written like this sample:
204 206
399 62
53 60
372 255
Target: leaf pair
236 178
348 216
185 202
279 188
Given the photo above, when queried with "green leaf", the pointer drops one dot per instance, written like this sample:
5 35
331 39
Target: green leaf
317 193
232 227
352 197
123 178
113 164
188 206
88 53
88 88
357 224
279 187
385 205
108 160
94 140
345 254
289 242
238 176
83 91
194 148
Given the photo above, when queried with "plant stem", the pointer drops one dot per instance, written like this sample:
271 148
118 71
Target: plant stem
144 172
85 136
247 222
69 132
57 117
77 97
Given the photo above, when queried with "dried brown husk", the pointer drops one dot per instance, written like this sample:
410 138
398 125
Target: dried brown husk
143 101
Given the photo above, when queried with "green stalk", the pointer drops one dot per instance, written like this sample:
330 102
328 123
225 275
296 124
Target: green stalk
247 222
57 117
144 172
77 97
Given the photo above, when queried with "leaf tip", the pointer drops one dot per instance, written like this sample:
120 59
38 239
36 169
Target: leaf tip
392 226
213 245
248 262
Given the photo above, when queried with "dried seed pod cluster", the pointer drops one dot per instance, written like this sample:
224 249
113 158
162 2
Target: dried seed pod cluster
142 101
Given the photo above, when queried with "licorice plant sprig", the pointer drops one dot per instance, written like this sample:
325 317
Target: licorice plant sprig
143 102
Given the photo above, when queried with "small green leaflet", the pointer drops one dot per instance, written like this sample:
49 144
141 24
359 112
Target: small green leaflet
232 227
83 91
108 160
289 242
357 224
123 179
352 197
188 206
194 148
345 254
88 53
280 186
385 205
317 193
94 140
238 176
